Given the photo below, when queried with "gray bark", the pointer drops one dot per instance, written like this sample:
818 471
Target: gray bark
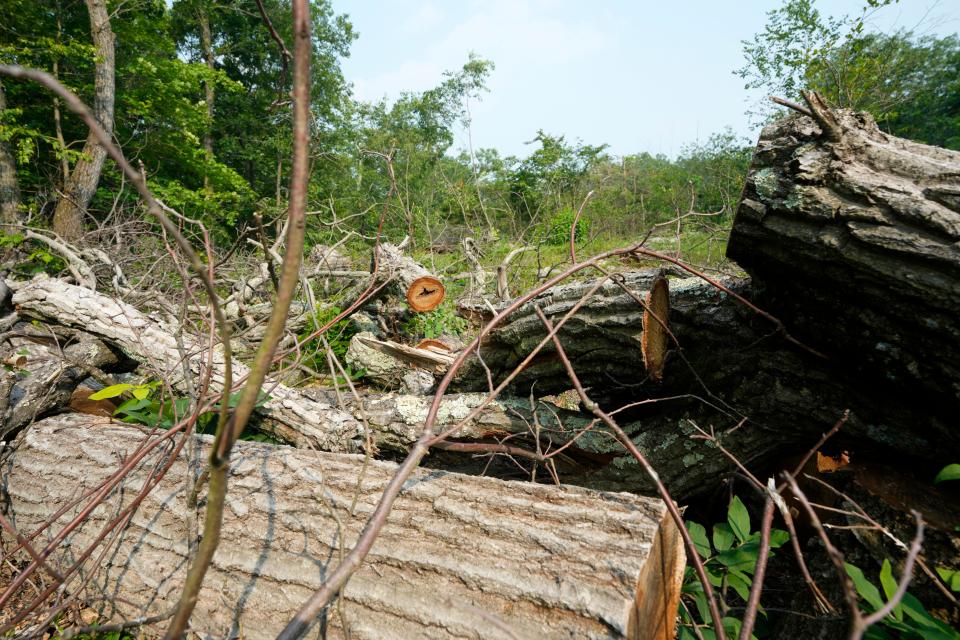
82 184
460 556
47 366
9 186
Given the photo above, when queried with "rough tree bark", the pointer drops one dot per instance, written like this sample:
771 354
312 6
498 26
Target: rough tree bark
82 184
48 366
460 556
9 186
852 236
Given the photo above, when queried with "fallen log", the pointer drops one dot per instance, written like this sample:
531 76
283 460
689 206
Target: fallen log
852 237
293 417
461 556
603 339
42 368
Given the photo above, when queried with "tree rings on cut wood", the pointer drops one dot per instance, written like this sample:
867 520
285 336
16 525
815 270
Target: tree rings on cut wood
425 294
655 333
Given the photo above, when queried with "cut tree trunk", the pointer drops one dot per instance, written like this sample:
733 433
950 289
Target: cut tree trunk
9 186
82 184
604 339
460 556
731 365
852 237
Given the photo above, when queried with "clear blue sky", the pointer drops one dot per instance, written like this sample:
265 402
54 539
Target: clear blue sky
637 75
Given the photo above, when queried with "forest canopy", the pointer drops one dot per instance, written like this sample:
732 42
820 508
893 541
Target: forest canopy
202 103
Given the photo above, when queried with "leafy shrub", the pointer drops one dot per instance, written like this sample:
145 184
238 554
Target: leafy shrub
442 321
557 229
147 409
909 617
338 337
729 562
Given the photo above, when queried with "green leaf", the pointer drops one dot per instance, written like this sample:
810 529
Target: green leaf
722 537
778 538
949 472
864 587
739 519
132 405
699 536
141 393
740 583
952 578
742 558
889 584
111 392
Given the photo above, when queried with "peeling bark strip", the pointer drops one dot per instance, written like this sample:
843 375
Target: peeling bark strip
461 556
852 237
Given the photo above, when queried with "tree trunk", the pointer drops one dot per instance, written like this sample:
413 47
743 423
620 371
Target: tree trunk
79 189
206 44
555 562
852 237
9 186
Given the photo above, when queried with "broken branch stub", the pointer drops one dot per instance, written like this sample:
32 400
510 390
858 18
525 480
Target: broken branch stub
425 294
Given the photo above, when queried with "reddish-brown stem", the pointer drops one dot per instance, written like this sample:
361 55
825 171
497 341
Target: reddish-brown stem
753 603
692 555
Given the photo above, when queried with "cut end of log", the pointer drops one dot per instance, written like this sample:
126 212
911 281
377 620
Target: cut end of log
655 333
425 294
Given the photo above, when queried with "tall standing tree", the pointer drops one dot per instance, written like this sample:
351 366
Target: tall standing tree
82 183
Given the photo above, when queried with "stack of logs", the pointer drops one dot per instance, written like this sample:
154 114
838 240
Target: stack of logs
851 242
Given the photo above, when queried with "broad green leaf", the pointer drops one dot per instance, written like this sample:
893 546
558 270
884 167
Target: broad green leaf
778 538
699 536
928 627
889 585
949 472
722 537
740 584
864 587
741 558
739 519
112 391
140 393
132 405
952 578
714 578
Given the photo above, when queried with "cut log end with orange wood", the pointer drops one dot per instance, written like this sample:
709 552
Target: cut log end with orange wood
425 294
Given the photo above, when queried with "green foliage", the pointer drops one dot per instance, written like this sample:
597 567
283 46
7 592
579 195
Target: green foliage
909 617
442 321
146 408
909 83
337 336
730 559
557 229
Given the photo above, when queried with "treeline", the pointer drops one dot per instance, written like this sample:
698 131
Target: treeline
199 96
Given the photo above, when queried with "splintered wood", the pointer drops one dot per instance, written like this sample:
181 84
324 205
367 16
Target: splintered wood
460 556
